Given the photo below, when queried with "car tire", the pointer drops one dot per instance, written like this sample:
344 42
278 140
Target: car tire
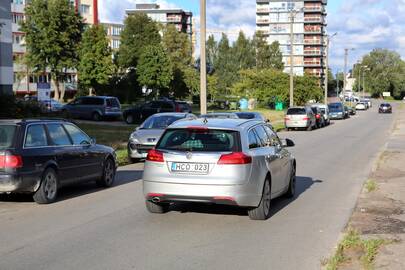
292 185
262 212
129 119
309 128
48 190
96 116
156 208
107 180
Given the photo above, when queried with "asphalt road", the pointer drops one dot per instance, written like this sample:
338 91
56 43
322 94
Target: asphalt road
90 228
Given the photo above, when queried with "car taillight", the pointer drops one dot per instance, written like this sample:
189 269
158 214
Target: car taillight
318 116
305 118
287 118
10 162
178 108
155 156
234 159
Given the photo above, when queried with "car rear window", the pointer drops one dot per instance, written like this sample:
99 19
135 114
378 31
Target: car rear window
7 133
159 122
246 115
295 111
200 140
335 107
113 102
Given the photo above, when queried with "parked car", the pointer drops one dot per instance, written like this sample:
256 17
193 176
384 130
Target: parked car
365 102
361 106
220 115
235 162
41 156
351 110
369 102
139 114
347 111
385 108
51 105
300 117
320 119
336 110
324 109
251 115
145 137
94 108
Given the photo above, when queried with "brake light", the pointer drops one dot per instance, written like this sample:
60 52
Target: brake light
234 159
305 118
197 128
10 162
150 195
155 156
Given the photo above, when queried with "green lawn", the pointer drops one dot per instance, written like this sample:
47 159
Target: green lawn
114 136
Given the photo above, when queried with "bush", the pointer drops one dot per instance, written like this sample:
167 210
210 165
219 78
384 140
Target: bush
11 107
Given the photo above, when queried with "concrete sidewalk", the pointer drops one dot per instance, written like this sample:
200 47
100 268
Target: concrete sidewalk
380 210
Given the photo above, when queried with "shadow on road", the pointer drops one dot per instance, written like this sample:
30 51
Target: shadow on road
303 184
123 177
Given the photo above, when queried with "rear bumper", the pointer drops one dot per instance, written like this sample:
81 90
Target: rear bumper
297 124
15 183
385 111
241 195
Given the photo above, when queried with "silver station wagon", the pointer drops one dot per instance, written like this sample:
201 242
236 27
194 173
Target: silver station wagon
233 161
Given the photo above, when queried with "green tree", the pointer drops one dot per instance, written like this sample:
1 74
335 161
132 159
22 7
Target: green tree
95 66
225 66
53 32
139 31
276 56
179 50
155 69
212 50
244 52
267 56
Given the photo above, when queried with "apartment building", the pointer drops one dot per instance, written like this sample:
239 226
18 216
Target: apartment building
113 31
26 83
273 19
182 20
6 60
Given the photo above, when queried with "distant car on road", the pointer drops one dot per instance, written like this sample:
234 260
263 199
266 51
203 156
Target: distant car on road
300 117
361 106
141 113
234 162
145 137
385 108
351 110
41 156
220 115
51 105
336 110
94 108
324 109
251 115
319 116
347 111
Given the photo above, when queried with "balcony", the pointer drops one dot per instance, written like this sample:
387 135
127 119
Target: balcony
17 8
313 42
18 48
312 63
313 19
313 9
262 21
263 10
314 31
313 52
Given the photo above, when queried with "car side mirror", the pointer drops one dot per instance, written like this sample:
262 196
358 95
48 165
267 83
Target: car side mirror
288 143
92 141
137 128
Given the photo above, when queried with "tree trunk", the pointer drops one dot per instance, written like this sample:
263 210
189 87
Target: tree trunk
62 93
55 89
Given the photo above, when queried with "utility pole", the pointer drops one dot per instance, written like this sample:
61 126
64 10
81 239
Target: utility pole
203 59
292 58
293 13
328 38
345 70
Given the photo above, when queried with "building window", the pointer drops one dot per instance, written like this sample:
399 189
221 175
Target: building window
116 30
17 2
18 17
115 43
84 9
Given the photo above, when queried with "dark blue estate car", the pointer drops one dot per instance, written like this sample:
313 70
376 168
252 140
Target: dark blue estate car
40 156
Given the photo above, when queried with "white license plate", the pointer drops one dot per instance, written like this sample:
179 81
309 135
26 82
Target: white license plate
190 167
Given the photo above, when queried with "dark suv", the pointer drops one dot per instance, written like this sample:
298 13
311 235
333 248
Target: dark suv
95 108
40 156
140 113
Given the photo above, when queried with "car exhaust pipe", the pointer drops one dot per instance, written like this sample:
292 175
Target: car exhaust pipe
155 199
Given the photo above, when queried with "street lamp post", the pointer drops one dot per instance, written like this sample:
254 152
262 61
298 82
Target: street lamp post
203 60
293 13
345 71
328 38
